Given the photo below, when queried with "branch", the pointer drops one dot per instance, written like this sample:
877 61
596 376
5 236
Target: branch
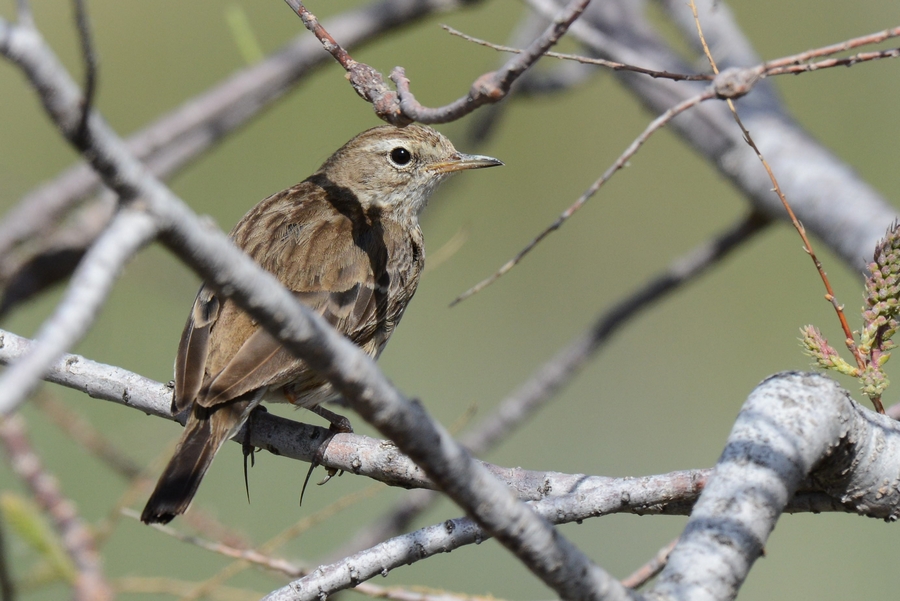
812 176
792 426
83 23
306 334
401 107
562 367
181 136
619 163
91 283
730 84
452 534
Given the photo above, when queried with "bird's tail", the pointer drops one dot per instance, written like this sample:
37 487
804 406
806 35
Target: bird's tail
203 435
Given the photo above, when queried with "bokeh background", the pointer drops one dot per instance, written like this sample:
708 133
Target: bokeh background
660 397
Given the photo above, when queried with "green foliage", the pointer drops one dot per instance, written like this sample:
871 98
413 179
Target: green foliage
24 518
879 316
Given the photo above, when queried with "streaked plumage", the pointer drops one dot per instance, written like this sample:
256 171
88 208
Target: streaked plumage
347 242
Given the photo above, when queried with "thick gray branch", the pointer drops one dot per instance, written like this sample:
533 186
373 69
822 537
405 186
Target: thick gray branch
91 283
793 427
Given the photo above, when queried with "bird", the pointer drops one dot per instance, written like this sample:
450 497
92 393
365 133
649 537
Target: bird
346 242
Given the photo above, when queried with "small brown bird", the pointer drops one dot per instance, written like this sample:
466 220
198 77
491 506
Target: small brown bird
347 242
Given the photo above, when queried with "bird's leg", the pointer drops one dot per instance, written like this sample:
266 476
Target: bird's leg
339 425
248 449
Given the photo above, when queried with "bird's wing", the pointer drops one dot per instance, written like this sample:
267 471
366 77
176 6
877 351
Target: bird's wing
194 348
335 264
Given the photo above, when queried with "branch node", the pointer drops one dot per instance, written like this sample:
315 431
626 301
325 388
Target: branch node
735 82
487 87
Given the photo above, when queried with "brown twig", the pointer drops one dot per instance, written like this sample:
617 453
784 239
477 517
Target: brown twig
807 245
847 61
649 570
866 40
585 60
400 107
655 125
32 227
790 64
728 85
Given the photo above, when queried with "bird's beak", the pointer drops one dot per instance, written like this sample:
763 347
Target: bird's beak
460 161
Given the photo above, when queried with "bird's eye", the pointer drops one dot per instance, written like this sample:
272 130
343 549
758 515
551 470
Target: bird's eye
400 156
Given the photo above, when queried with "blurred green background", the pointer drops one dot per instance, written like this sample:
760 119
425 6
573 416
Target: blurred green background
661 397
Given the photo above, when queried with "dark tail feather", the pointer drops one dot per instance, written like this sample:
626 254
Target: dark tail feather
179 481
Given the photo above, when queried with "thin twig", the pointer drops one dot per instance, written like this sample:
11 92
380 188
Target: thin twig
866 40
259 557
620 162
649 570
252 556
585 60
446 251
177 138
559 370
176 588
400 107
847 61
83 24
729 85
807 245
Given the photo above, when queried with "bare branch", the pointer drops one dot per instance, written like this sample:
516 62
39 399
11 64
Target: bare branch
91 283
451 534
847 61
295 570
184 134
792 425
866 40
83 23
516 408
819 423
812 176
352 373
401 107
620 162
585 60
